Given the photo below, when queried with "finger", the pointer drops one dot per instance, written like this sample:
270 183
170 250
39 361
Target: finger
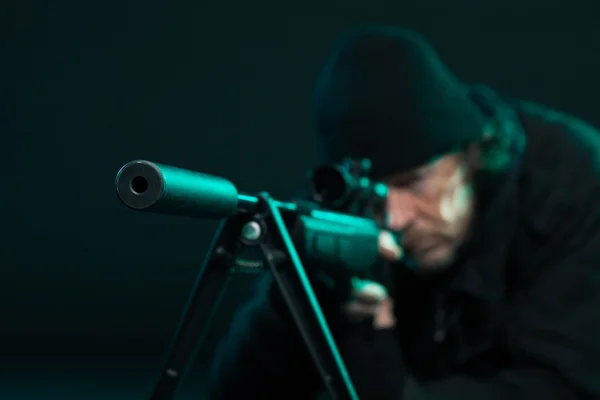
357 310
367 291
389 249
385 317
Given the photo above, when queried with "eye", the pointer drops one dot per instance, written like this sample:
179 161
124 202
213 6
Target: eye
422 184
406 181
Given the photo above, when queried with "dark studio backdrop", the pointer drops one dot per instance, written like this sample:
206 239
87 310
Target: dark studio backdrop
91 292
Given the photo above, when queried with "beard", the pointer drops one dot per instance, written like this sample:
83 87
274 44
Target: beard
428 252
436 260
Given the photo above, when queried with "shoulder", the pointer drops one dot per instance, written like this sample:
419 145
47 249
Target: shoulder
560 177
557 136
558 245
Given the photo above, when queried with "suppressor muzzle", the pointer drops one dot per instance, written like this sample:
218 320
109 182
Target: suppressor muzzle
147 186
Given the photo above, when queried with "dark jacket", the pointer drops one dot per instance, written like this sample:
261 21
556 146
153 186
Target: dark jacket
519 320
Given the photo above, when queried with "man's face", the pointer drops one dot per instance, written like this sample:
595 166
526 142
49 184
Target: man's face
432 207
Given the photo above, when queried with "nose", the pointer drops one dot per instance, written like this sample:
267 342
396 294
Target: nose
400 210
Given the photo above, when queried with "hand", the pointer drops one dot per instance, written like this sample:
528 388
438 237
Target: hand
370 299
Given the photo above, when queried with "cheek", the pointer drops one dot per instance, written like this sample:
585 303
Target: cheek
455 204
462 199
446 209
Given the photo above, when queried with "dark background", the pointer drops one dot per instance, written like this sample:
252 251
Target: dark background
92 292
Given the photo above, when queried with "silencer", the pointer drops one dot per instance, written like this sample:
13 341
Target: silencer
162 189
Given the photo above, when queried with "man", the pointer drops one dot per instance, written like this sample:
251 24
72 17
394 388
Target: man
495 292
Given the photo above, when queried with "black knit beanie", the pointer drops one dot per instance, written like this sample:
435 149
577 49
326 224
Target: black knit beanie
385 95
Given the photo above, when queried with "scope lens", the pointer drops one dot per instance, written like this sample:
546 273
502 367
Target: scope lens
329 185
